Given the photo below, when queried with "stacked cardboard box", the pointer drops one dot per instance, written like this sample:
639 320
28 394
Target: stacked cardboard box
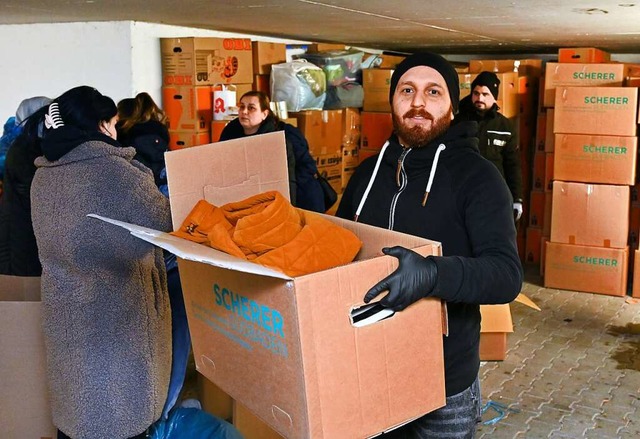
376 119
191 68
594 166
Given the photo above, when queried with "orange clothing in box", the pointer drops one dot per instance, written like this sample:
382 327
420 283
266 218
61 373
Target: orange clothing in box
268 230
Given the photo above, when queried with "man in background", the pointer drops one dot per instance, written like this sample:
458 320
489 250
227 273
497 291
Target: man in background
498 138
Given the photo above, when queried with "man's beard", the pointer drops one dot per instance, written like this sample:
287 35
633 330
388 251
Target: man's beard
419 136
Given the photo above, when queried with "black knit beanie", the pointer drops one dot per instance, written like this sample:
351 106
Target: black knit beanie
437 63
489 80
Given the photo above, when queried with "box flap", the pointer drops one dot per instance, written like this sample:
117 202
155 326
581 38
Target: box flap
225 172
19 288
193 251
496 318
526 301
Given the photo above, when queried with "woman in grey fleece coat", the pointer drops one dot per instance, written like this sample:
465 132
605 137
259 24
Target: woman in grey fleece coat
106 315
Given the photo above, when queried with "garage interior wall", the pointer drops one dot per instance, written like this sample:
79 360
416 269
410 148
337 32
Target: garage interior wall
120 58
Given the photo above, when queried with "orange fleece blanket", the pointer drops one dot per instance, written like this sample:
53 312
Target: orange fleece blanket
268 230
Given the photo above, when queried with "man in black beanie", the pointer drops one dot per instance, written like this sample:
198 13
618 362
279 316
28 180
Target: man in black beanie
430 180
497 136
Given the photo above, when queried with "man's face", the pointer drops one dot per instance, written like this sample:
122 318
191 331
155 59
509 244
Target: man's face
421 107
482 98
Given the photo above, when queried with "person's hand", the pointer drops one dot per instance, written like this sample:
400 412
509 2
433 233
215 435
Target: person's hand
517 210
414 279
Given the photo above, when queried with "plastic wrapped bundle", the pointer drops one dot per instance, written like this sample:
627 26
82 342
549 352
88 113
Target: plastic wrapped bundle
339 66
301 84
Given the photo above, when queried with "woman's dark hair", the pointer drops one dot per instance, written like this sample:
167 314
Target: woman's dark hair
141 109
85 107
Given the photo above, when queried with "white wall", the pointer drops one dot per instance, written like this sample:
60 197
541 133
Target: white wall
119 58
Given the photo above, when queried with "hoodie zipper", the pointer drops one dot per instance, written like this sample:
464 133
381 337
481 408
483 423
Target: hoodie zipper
401 181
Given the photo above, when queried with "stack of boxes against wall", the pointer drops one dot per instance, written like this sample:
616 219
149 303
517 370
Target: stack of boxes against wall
583 170
192 68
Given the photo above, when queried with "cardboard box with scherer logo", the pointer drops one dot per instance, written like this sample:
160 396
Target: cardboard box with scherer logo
583 75
206 61
291 349
595 159
606 111
585 268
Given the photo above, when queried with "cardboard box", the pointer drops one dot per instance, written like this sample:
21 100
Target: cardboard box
322 129
543 253
206 61
350 162
527 94
382 60
351 126
541 131
606 111
588 269
590 214
539 167
548 209
549 140
582 55
375 130
324 47
25 412
548 171
330 167
376 84
213 399
595 159
635 289
241 89
265 54
536 208
187 139
251 426
524 67
496 323
286 347
261 83
532 246
216 129
582 75
188 108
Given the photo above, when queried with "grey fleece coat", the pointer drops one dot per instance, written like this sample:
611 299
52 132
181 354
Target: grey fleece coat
106 315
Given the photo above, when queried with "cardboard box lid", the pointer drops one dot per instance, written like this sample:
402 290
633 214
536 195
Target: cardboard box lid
497 318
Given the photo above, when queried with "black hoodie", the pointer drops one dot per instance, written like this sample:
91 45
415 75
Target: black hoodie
468 210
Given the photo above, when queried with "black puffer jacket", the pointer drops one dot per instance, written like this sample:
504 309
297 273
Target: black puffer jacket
18 249
498 143
468 210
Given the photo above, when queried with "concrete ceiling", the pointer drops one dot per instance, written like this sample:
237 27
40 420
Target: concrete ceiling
453 27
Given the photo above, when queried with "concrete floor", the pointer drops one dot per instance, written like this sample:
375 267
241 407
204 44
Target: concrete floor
571 370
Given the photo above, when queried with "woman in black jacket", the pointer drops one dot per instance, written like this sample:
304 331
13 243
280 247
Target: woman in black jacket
255 117
18 249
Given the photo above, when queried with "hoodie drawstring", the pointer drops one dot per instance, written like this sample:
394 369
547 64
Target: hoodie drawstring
432 174
373 177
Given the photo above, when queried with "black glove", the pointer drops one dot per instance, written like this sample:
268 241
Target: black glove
413 280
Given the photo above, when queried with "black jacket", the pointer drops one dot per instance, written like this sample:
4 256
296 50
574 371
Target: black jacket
151 141
18 249
305 190
468 210
498 143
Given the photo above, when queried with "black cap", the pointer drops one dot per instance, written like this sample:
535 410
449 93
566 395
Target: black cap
489 80
437 63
